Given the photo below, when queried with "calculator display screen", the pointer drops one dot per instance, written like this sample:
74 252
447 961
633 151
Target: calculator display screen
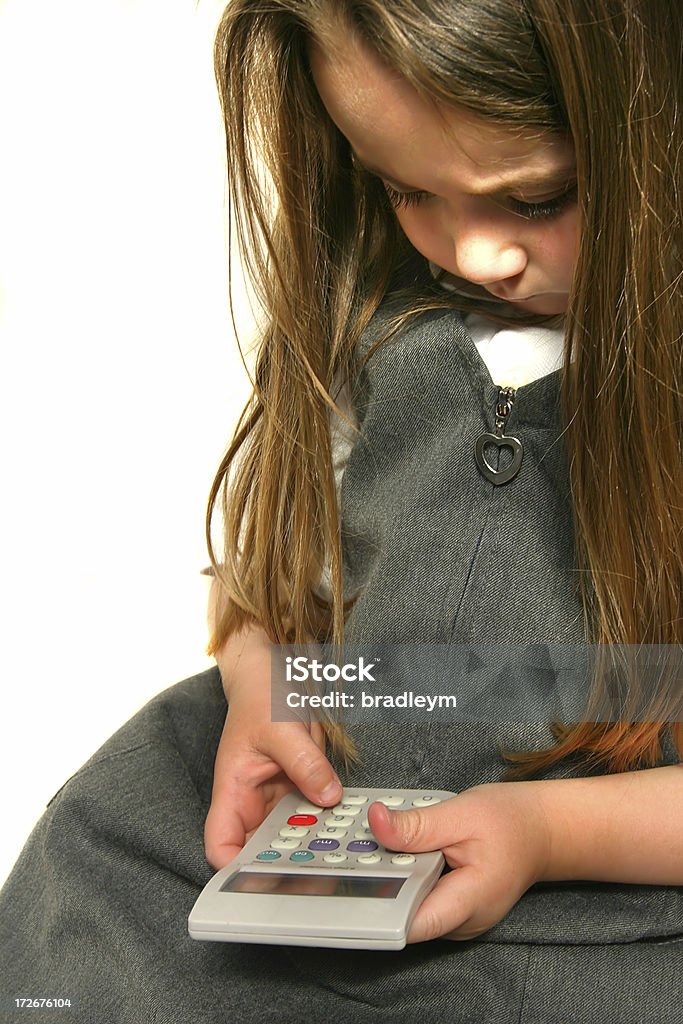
272 883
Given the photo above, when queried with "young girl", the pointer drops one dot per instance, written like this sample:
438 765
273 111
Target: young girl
461 219
529 153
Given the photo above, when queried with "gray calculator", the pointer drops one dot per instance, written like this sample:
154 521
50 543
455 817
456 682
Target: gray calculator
315 876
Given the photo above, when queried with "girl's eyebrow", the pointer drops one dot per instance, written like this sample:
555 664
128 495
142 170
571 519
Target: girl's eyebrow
523 182
381 174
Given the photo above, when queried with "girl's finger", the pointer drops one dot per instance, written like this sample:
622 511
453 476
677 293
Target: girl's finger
447 907
291 746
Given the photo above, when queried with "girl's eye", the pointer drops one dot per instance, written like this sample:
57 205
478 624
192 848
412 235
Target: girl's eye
400 200
547 209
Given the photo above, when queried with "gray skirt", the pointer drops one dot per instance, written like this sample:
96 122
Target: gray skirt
96 910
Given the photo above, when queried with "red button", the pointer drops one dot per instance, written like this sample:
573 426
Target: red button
302 819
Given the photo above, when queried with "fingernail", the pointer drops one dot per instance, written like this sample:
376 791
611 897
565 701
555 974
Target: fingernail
330 792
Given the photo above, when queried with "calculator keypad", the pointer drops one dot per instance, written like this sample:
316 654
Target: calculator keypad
306 808
301 819
340 834
293 830
285 844
331 833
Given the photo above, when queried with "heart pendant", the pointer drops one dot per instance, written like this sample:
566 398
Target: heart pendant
498 476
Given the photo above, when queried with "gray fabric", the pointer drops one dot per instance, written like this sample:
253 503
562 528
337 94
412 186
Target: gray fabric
445 556
97 905
96 910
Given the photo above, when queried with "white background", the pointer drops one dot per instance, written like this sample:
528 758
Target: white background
120 377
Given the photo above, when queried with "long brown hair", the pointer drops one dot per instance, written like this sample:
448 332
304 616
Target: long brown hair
321 245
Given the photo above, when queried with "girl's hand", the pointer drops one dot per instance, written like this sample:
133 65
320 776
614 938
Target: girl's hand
495 838
259 761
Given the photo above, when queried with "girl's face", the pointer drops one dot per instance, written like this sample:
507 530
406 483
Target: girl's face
493 205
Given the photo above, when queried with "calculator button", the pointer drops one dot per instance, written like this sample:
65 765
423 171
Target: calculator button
285 844
426 801
293 830
307 808
363 833
300 855
403 858
347 809
334 833
365 823
369 858
354 798
324 844
335 858
362 846
390 801
302 819
339 821
268 855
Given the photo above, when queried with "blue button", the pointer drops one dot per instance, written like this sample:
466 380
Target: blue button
301 855
268 855
323 844
362 846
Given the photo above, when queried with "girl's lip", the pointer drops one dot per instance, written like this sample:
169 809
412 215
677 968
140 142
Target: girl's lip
510 298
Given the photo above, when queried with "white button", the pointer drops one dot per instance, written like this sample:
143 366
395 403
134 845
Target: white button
339 821
426 800
365 823
354 798
402 858
306 808
390 801
335 858
331 833
369 858
346 809
363 833
293 830
285 844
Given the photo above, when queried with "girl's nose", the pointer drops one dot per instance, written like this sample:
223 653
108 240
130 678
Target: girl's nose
486 258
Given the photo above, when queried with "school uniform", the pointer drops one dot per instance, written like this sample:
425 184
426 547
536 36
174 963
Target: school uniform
97 905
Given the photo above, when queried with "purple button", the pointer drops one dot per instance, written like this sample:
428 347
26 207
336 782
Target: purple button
323 844
362 846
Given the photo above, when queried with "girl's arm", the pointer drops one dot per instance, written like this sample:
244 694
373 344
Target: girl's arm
615 828
504 837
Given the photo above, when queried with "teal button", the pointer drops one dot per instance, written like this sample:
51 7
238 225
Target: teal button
302 855
268 855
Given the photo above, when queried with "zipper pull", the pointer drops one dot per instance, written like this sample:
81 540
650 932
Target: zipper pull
504 403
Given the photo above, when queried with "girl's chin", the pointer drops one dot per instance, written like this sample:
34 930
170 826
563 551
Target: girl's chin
543 305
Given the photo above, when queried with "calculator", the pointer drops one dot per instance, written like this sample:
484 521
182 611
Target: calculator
315 876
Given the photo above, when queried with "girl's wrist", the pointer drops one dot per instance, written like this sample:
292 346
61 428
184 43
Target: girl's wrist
538 825
244 661
580 844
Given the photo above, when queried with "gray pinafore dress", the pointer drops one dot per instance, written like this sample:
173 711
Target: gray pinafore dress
97 905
